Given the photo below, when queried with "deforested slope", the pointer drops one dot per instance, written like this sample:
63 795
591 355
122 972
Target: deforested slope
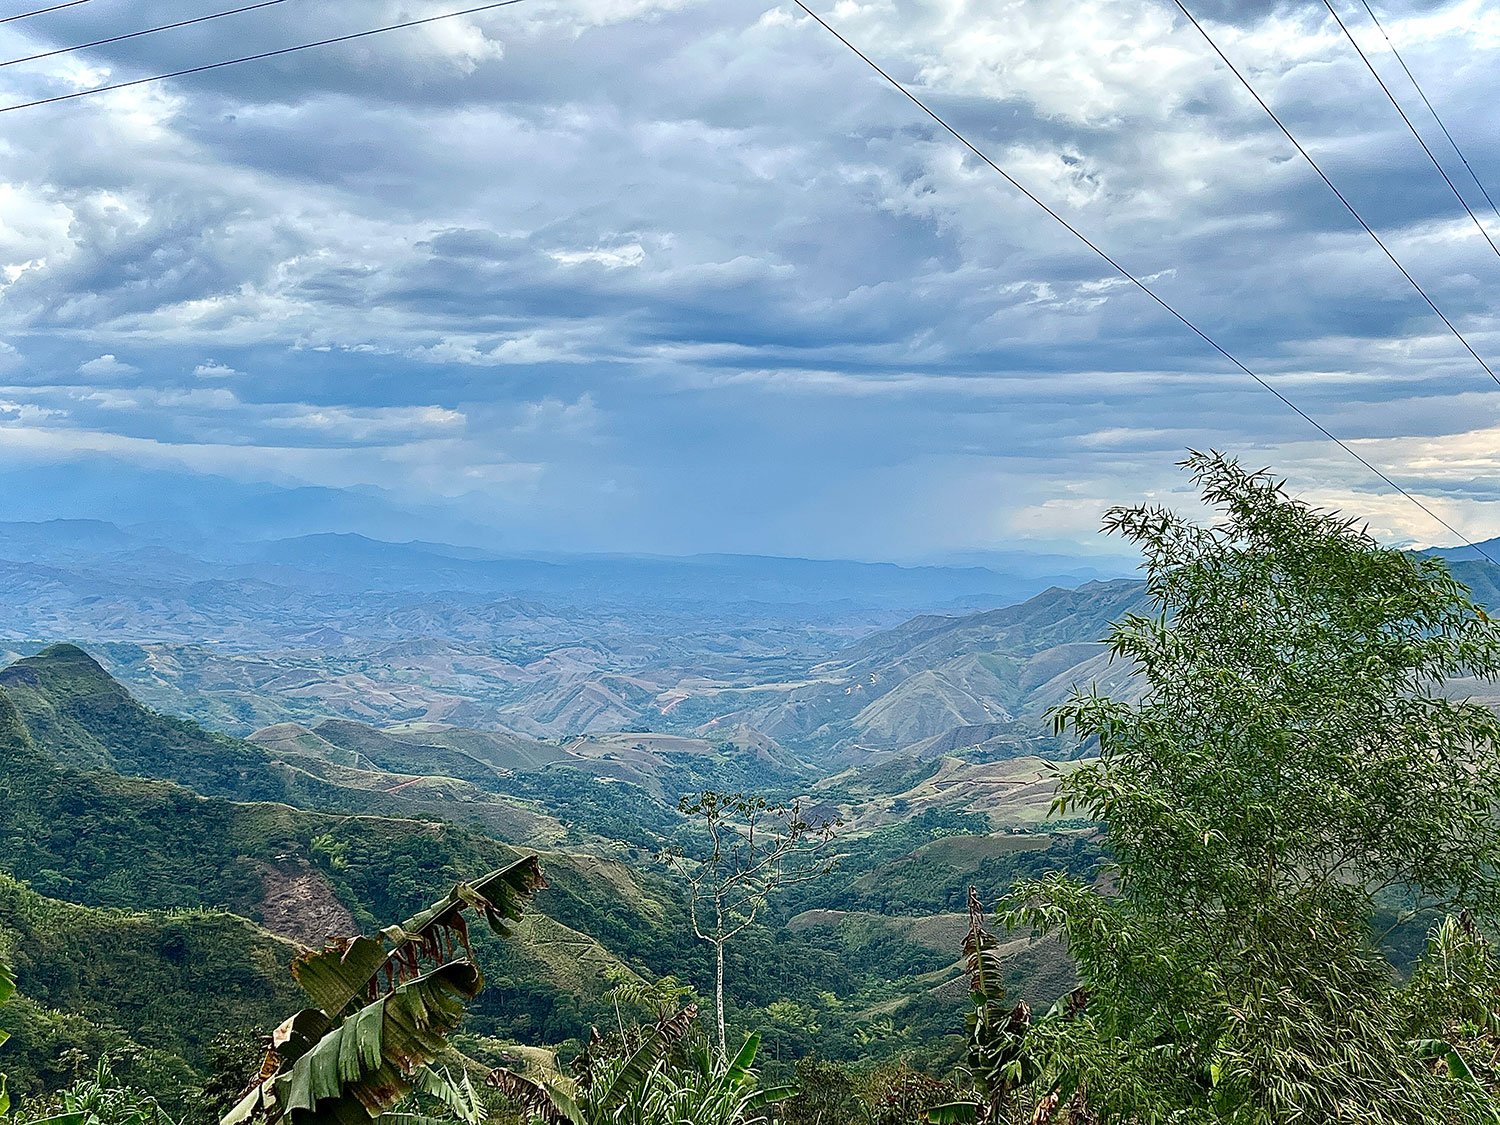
922 679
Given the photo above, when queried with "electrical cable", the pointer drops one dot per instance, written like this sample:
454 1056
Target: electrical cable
42 11
138 34
255 57
1347 205
920 105
1144 288
1371 68
1430 109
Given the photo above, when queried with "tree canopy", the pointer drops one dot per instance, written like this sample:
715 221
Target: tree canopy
1292 773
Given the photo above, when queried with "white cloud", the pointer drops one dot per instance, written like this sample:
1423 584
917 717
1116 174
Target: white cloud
153 398
554 417
613 258
106 367
807 269
27 413
365 424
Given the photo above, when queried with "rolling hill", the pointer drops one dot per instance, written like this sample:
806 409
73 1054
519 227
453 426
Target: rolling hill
86 838
992 673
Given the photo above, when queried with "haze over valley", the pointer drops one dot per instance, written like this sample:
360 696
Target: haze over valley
662 562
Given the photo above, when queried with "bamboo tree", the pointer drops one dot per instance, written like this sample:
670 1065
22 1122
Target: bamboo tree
1291 766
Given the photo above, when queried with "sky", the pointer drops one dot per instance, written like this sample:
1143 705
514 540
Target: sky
676 276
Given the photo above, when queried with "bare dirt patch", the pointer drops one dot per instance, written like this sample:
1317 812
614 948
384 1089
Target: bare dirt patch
300 905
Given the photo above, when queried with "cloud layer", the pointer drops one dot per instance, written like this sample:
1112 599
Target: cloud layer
674 275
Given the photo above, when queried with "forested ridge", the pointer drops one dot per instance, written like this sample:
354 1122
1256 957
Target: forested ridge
1262 894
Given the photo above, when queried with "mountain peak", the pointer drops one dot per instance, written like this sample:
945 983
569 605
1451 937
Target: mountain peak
62 668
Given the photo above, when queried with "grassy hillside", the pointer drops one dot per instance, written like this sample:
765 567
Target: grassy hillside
80 716
931 675
95 839
155 987
482 756
83 718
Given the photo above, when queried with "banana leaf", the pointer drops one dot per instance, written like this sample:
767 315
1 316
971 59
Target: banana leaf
7 990
771 1095
954 1113
459 1097
381 1014
738 1072
355 969
542 1099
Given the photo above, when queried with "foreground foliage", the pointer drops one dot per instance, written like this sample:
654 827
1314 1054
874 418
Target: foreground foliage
1289 769
384 1008
997 1062
7 990
100 1099
665 1073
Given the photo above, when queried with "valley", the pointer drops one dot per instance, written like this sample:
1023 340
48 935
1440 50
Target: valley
336 816
206 810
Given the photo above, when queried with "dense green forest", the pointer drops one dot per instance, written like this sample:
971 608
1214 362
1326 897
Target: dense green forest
1262 894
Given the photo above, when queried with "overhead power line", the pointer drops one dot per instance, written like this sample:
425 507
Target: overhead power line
1143 287
1430 109
138 34
1371 68
260 55
42 11
1342 199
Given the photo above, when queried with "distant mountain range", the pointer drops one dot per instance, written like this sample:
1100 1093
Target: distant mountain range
988 674
399 716
829 660
244 634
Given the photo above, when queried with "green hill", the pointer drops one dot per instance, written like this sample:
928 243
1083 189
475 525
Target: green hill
79 715
96 843
152 987
82 717
95 839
